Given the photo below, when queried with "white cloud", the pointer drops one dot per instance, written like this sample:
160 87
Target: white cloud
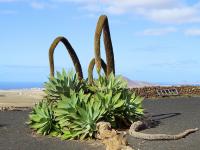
92 8
158 31
125 6
115 10
192 32
41 5
175 15
38 5
164 11
144 4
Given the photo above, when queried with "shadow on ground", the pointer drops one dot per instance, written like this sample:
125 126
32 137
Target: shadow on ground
174 116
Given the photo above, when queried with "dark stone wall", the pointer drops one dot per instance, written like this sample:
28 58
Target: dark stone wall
151 92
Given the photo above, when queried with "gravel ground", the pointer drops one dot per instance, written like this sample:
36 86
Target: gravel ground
15 135
174 115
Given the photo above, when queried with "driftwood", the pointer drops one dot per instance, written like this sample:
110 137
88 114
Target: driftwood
140 125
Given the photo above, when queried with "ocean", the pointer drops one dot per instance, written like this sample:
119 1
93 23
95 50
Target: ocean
20 85
29 85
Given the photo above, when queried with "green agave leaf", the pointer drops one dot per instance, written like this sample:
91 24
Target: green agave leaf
83 136
89 109
96 115
64 72
115 98
78 133
45 129
73 115
73 125
63 104
39 112
82 113
66 135
138 100
60 111
64 123
35 118
41 131
54 133
58 74
140 111
38 125
119 104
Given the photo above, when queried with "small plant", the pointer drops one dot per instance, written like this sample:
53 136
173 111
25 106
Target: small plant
42 119
119 102
62 84
111 82
78 115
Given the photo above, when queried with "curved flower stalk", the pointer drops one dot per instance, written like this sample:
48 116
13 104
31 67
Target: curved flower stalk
103 26
91 68
71 52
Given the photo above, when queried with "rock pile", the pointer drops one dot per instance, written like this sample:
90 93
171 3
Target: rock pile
111 138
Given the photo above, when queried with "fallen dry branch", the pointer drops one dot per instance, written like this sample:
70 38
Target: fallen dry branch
138 125
114 140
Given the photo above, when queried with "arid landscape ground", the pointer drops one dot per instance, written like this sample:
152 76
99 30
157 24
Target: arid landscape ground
173 114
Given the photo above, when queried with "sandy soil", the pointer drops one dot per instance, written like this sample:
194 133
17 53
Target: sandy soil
20 98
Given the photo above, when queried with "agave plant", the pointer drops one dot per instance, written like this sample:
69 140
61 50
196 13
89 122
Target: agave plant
133 109
104 84
42 119
73 106
77 116
121 105
62 84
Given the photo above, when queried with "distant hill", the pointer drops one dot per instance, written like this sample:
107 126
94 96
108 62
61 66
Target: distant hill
138 84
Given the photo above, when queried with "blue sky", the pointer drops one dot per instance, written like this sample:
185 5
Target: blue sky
153 40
